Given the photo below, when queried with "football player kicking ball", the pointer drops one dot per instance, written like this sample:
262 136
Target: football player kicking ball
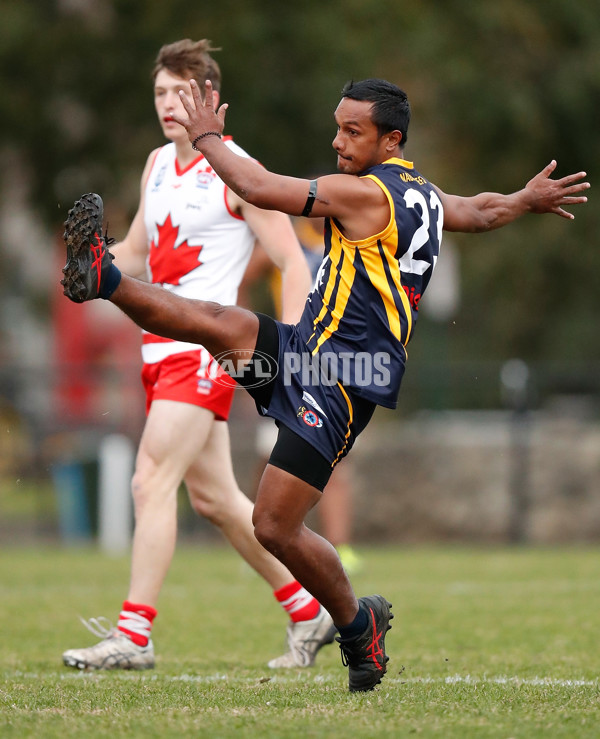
196 236
383 231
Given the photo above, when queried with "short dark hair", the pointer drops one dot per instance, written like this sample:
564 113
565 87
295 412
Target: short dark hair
391 109
189 60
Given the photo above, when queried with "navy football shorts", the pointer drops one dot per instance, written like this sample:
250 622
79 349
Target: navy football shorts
318 422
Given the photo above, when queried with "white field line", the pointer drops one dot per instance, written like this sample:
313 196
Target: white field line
513 681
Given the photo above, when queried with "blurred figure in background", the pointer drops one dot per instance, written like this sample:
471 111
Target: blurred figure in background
195 237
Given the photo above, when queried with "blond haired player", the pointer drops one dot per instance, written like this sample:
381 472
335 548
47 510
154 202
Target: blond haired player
195 236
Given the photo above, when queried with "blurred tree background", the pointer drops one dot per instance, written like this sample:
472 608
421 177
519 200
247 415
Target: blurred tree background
497 89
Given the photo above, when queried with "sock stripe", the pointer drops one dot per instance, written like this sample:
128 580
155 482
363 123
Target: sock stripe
297 601
136 621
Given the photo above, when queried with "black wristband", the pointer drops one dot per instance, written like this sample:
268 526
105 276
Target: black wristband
202 135
312 194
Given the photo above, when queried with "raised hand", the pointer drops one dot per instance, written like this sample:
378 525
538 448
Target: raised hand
202 121
550 196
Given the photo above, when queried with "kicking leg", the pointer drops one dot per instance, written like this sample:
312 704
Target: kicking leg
89 274
219 328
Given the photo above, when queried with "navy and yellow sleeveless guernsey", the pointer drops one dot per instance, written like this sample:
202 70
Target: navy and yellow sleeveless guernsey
348 351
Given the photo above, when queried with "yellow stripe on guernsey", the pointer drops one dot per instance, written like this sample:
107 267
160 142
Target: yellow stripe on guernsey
337 254
350 419
374 265
343 251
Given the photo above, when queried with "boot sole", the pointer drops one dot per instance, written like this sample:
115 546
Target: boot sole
83 224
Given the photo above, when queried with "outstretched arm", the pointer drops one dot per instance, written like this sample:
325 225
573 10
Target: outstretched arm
490 210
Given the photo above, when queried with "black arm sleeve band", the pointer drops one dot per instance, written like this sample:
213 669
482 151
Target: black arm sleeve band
312 194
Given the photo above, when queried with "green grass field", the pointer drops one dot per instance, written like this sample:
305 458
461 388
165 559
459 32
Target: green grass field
485 643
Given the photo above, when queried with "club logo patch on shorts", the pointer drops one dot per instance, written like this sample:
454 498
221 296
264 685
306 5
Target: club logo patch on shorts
309 417
204 386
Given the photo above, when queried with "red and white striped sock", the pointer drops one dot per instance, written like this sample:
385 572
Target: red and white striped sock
297 601
135 620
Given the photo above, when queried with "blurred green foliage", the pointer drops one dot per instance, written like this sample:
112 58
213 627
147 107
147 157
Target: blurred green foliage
497 89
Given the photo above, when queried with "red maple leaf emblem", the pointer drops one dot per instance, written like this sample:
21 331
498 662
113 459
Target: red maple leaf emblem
169 261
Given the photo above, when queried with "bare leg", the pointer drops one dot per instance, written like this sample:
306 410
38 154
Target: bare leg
214 494
173 436
218 328
176 433
281 505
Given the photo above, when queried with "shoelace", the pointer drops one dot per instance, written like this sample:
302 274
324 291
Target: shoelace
97 626
108 240
345 655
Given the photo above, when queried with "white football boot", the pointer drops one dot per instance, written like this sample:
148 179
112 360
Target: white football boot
116 651
304 639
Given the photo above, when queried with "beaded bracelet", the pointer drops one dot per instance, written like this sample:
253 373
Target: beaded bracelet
202 135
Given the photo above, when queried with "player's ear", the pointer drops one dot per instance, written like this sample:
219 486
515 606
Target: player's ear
394 140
